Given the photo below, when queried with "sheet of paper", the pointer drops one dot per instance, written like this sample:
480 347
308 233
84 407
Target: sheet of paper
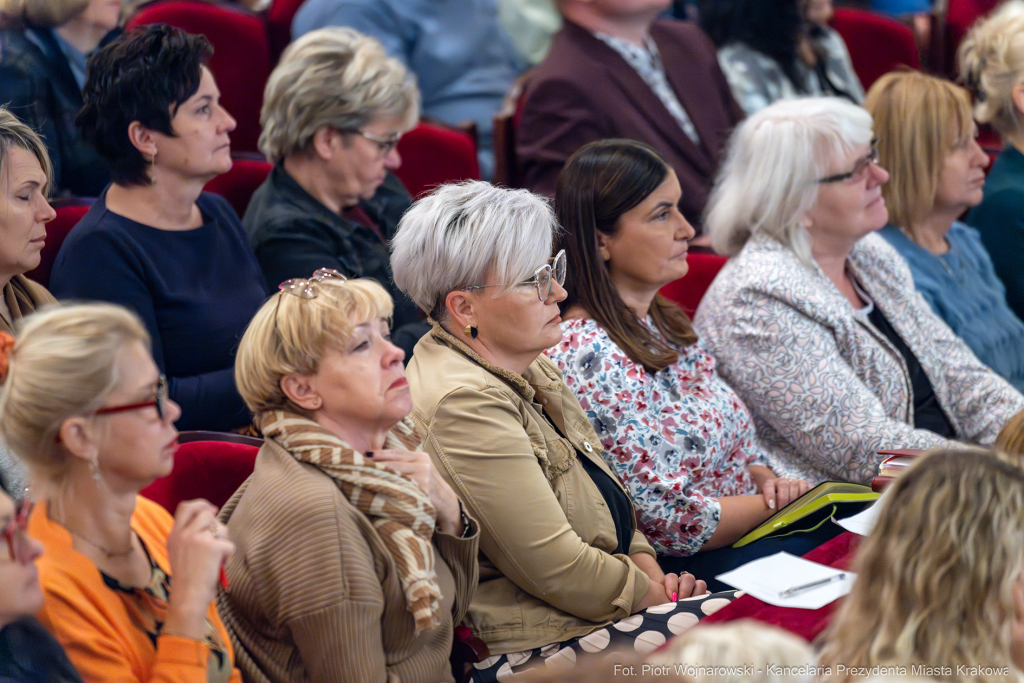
863 522
767 578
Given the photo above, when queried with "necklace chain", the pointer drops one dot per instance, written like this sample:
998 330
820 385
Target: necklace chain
111 554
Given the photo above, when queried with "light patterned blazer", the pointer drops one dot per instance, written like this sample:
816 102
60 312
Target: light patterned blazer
826 389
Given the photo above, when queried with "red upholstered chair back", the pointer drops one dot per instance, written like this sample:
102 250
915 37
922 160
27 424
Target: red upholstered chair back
960 15
212 470
56 232
433 154
877 44
241 56
238 184
279 21
688 290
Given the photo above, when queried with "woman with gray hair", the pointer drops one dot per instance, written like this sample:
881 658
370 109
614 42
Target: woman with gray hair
561 556
815 320
333 111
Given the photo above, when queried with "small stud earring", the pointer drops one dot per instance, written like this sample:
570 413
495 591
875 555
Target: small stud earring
470 331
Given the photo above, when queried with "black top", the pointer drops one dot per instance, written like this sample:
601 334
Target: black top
37 86
927 411
195 291
618 503
29 654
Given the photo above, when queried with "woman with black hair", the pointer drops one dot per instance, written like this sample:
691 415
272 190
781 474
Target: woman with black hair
775 49
153 241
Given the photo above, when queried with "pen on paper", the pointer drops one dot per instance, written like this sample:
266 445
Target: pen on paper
793 590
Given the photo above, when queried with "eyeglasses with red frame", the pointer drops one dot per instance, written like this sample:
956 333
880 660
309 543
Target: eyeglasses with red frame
16 533
158 401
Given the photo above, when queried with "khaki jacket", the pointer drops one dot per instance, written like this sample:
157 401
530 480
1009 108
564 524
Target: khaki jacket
546 572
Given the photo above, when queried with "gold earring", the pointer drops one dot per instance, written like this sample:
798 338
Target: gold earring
470 331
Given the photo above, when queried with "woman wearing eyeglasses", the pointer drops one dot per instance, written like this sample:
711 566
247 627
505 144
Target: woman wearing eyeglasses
28 652
561 556
333 110
154 241
814 321
677 436
355 560
129 590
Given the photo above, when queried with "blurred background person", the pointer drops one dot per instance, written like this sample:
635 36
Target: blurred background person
854 360
154 241
355 560
25 181
772 49
463 59
333 110
44 45
940 579
86 407
676 435
561 555
936 172
991 61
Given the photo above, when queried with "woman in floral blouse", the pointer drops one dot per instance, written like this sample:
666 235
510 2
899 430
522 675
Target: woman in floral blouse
675 433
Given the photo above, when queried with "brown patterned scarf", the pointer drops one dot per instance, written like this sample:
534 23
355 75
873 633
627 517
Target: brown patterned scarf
398 509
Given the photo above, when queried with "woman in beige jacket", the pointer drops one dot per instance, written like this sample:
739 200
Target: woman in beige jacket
355 560
560 553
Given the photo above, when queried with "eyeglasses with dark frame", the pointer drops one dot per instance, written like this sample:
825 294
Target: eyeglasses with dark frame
158 401
859 168
542 277
16 533
384 143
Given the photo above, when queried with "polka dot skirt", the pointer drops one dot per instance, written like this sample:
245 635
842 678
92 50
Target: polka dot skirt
640 633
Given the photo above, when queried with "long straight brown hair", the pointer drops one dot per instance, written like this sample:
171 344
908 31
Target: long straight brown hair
601 182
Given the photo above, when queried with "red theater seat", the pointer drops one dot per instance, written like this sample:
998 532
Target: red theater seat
433 154
877 44
56 232
241 56
279 22
238 184
212 470
688 290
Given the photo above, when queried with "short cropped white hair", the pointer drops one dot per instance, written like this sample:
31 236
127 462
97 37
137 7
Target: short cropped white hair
768 181
456 235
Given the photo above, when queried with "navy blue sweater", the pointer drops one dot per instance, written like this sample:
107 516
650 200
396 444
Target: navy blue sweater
195 290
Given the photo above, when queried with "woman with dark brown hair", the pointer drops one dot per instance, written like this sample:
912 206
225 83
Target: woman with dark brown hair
676 435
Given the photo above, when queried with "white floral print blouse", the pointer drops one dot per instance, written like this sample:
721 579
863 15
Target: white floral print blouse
677 439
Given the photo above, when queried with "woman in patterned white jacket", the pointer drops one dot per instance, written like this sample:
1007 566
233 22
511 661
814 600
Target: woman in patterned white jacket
815 321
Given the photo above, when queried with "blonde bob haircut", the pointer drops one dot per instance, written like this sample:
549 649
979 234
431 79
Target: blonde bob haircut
453 237
64 363
914 154
289 335
768 181
991 63
937 578
14 132
40 13
334 77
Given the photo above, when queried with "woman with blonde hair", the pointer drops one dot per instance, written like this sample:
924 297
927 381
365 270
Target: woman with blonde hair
940 580
991 61
355 560
128 589
334 110
44 46
936 172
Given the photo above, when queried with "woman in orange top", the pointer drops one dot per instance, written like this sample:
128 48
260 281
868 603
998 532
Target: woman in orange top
85 407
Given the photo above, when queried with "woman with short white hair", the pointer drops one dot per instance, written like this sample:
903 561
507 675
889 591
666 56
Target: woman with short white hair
815 321
333 111
561 556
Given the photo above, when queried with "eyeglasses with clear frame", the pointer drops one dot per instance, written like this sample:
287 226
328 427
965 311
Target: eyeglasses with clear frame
158 401
16 533
542 277
384 143
859 171
309 288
